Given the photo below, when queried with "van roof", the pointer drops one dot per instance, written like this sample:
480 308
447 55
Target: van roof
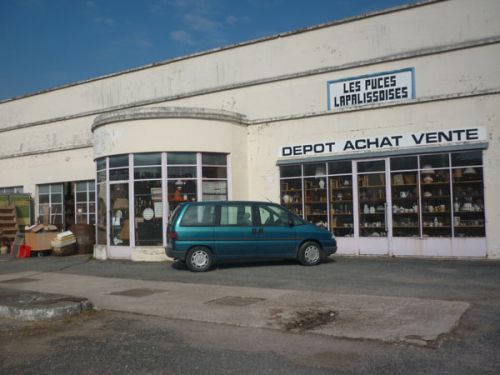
230 202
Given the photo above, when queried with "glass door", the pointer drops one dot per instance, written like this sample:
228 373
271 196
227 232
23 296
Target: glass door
373 225
119 214
405 196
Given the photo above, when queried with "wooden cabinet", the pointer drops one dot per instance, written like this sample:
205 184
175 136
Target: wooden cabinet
405 203
341 212
468 205
8 223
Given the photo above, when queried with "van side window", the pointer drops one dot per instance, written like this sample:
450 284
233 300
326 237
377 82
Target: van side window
273 215
240 215
196 216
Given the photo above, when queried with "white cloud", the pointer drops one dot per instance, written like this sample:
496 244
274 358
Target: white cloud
104 21
199 22
233 20
182 36
142 42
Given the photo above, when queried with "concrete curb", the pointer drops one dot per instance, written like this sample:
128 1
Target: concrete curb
33 306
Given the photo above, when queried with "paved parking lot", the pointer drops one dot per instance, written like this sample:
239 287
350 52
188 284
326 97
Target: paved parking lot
471 348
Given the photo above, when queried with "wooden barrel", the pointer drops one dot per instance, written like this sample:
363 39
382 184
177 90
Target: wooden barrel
85 237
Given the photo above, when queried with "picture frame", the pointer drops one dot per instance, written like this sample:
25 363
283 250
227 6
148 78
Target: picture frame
398 179
410 179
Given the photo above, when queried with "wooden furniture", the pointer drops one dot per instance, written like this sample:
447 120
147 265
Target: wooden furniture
8 223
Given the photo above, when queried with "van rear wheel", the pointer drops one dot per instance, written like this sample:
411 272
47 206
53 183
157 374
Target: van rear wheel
199 259
310 254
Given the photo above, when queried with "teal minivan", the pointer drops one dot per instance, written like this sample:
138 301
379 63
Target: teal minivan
200 234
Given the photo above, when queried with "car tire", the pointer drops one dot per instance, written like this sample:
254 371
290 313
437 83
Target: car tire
310 254
199 259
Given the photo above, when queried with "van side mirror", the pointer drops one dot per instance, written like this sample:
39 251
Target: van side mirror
290 222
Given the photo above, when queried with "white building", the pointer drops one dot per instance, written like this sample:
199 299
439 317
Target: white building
382 127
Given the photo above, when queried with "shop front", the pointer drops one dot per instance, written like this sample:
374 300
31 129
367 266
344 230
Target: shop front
421 204
138 190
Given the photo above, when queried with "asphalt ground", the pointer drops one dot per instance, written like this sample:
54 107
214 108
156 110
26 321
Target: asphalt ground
112 342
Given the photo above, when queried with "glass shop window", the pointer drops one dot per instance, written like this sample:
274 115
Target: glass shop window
182 176
468 194
50 204
148 202
84 202
214 177
341 198
405 196
118 168
11 190
101 214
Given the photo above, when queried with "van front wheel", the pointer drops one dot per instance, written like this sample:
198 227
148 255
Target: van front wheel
310 254
199 259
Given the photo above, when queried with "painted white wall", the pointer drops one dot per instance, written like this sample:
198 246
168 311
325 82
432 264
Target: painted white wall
474 69
29 171
457 72
409 29
265 141
254 149
53 136
154 135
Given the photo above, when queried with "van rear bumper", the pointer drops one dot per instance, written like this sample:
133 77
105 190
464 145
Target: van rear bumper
180 255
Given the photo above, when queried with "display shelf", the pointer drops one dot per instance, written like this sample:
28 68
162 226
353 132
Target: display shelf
341 205
404 185
468 215
460 182
372 200
315 201
405 204
441 183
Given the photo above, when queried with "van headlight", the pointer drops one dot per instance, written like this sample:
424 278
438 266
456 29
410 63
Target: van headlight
333 236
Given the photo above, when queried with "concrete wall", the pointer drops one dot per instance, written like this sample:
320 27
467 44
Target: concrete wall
32 170
391 35
483 111
280 85
179 134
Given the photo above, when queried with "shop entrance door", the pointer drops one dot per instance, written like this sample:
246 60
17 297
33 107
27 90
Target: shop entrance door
374 229
119 234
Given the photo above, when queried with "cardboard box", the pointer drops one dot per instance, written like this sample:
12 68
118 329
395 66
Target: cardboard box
40 241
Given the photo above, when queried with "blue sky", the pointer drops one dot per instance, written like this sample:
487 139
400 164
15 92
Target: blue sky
49 43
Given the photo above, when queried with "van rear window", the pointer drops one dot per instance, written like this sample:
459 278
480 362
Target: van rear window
196 216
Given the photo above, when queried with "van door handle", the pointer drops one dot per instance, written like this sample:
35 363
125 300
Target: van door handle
261 231
254 231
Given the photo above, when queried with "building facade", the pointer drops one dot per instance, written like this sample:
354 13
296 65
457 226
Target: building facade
382 128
